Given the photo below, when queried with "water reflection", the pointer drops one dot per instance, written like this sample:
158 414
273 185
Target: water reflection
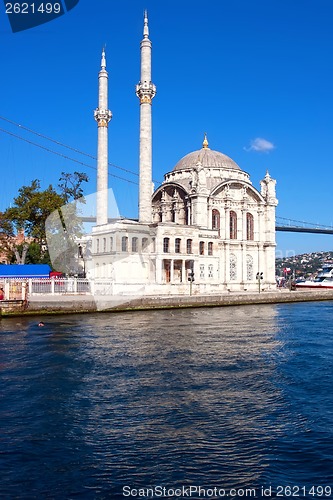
199 396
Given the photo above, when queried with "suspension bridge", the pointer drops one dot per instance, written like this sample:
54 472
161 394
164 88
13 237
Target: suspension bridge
281 224
296 226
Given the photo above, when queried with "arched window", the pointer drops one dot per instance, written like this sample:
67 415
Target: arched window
177 245
166 245
215 219
189 246
210 248
202 248
249 226
124 244
134 244
144 244
233 225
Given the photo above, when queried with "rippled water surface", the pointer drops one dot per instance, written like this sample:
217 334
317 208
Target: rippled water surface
233 397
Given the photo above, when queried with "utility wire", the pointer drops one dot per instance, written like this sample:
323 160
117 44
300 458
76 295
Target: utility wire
61 144
62 155
68 147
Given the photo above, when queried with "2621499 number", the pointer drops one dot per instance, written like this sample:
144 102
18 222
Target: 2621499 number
33 8
303 491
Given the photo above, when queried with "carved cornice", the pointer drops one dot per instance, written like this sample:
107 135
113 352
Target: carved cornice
145 92
102 117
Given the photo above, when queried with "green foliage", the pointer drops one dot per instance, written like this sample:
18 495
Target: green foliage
31 208
71 185
34 254
29 212
6 233
6 226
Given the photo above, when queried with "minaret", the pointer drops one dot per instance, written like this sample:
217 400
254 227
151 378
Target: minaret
102 116
145 90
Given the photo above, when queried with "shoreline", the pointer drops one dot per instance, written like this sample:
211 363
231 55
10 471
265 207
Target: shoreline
84 304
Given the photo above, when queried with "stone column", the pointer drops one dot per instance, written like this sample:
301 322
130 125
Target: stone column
184 277
227 263
227 222
172 278
209 214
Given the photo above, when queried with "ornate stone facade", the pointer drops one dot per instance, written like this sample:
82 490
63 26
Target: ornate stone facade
206 229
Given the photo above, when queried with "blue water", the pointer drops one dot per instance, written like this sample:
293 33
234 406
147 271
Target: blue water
94 406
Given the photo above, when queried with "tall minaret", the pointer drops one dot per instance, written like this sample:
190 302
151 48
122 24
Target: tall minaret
145 90
102 116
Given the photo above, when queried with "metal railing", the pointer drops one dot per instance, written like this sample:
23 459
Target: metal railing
58 286
21 288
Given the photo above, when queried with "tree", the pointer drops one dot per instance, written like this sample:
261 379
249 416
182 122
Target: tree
6 237
34 253
31 208
71 185
29 212
64 227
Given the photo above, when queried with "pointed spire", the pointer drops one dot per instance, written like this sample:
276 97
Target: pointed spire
145 25
103 62
205 142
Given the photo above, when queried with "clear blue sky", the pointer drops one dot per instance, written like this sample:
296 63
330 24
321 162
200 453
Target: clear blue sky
239 70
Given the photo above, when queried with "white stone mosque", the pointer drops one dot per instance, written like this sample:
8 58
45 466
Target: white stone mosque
206 229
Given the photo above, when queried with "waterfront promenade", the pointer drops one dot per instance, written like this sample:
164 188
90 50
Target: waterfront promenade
48 304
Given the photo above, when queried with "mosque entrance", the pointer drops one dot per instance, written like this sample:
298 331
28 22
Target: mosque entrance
166 271
177 271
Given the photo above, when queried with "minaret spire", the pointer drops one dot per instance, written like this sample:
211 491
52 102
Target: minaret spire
103 62
102 116
145 25
145 90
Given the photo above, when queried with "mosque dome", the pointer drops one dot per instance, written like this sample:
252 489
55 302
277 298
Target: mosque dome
208 158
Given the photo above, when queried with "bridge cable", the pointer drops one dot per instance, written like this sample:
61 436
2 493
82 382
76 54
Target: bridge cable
69 147
62 155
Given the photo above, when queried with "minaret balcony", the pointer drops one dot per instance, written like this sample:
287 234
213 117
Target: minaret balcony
102 116
145 91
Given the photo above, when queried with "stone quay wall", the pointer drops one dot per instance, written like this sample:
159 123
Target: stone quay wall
86 304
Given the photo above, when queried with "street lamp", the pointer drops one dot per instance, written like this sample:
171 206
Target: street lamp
191 276
259 277
81 256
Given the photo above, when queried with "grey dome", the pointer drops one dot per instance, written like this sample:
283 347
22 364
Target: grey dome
208 158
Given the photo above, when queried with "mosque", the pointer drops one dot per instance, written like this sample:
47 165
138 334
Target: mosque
206 229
